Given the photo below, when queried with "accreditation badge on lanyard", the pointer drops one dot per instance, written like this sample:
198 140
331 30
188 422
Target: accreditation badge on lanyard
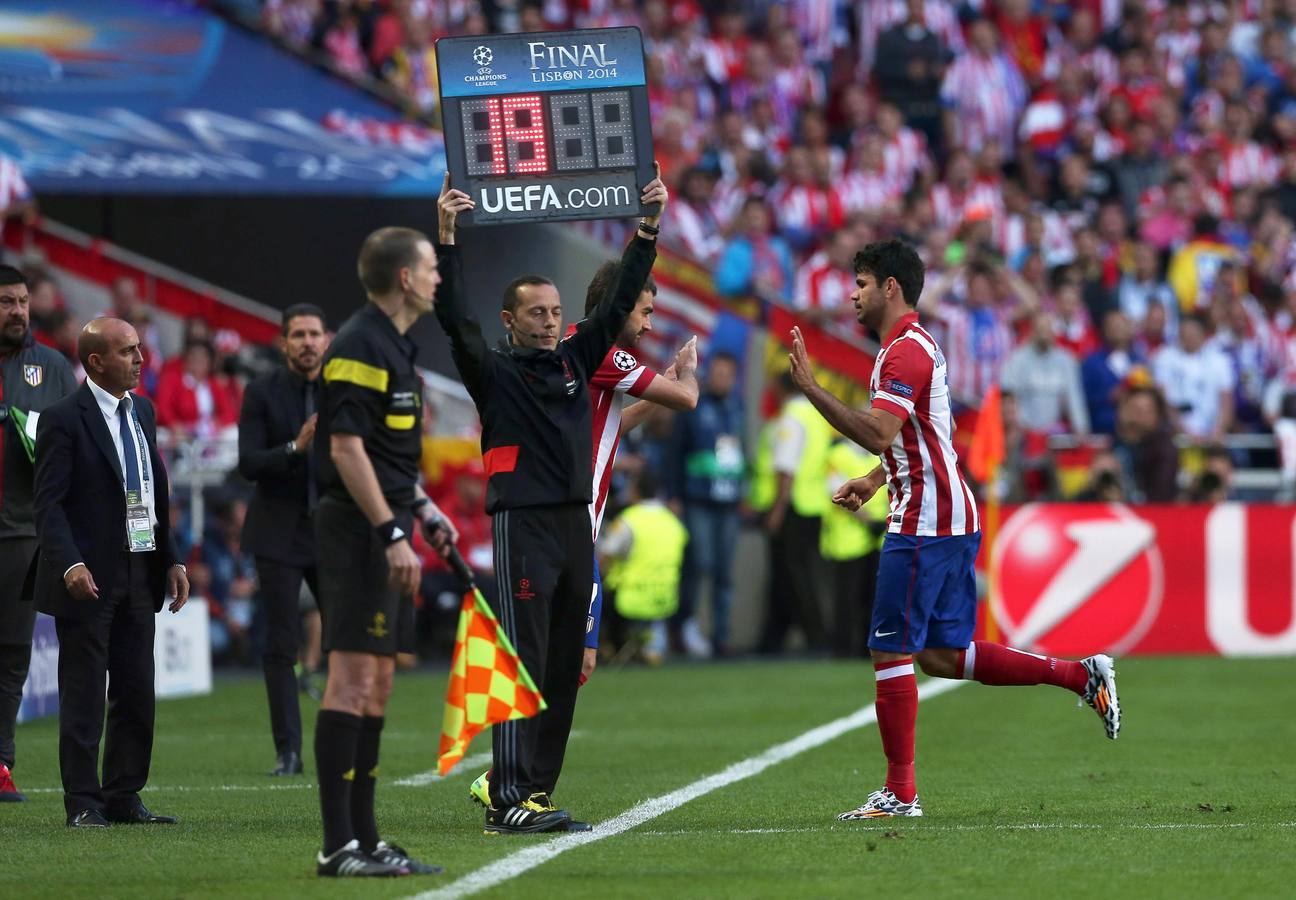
139 525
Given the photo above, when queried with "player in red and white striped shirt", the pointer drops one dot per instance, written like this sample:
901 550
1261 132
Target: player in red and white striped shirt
622 374
15 195
926 599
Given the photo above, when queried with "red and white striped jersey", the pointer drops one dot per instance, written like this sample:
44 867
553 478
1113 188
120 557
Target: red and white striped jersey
986 94
906 156
822 285
869 192
928 495
806 207
621 373
1249 163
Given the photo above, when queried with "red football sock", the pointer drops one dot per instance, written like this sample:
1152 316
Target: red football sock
997 664
897 717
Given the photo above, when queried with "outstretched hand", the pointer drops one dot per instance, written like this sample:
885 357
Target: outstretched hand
855 493
655 192
802 374
451 202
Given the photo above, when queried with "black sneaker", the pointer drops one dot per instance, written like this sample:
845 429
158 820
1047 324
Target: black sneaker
527 817
352 862
546 803
392 855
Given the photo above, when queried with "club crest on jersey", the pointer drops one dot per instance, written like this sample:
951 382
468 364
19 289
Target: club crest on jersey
899 387
34 375
624 361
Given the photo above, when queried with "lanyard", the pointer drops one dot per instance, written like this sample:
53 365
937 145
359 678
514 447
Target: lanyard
141 456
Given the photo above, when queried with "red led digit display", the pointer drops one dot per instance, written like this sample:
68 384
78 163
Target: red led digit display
525 135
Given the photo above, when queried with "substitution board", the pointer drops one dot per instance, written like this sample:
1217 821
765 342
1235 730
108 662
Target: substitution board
546 127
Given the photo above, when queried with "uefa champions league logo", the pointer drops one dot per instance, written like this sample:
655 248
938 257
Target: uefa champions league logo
483 56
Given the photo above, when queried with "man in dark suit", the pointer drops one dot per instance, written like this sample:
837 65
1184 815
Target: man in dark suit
107 558
276 428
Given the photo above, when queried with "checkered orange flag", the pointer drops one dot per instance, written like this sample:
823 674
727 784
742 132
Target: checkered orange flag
488 683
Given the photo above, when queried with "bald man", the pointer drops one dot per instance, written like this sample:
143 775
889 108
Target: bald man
107 558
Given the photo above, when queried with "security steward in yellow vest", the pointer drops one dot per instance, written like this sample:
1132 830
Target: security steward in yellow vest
800 461
850 543
643 549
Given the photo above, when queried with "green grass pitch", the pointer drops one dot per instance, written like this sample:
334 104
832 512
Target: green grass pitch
1023 795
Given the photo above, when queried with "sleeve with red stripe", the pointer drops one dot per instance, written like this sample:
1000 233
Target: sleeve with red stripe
906 374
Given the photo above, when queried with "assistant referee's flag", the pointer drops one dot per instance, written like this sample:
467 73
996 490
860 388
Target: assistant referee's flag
488 683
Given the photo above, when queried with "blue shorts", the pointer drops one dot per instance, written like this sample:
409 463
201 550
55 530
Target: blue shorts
594 619
926 593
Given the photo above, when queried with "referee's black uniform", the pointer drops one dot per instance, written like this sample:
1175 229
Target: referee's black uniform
536 441
371 390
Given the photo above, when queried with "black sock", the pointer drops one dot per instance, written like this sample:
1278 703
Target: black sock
336 736
366 779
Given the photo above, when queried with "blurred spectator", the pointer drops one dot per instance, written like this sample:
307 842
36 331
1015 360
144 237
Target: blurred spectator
1106 484
800 443
979 331
1198 382
909 70
191 402
1214 483
127 304
984 93
1105 370
232 575
1143 287
807 208
1145 447
1140 168
412 66
696 230
756 261
1046 382
342 43
44 301
825 282
708 464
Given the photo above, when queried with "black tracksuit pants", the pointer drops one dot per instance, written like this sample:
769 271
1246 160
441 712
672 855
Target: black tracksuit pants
544 568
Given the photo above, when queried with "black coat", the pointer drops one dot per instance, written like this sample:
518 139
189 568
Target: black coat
80 504
278 525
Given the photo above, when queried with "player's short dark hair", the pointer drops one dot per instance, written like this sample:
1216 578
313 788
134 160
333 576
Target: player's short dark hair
9 276
893 259
383 254
512 296
302 309
603 282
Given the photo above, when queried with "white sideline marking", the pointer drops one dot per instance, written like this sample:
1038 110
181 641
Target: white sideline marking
920 827
431 775
515 864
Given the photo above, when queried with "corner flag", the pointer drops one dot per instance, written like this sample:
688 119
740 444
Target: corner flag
488 683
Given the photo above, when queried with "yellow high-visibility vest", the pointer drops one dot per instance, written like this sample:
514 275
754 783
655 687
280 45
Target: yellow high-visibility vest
847 535
808 495
647 580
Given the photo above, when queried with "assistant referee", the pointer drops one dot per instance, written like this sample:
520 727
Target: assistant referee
368 441
532 396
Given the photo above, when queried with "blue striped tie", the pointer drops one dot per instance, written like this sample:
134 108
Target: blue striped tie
128 446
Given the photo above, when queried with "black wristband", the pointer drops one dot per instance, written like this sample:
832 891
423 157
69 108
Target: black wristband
390 533
649 229
419 504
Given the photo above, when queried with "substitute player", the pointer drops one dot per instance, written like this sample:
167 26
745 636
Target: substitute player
925 605
621 375
368 441
532 396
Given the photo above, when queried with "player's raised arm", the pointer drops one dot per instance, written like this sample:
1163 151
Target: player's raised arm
467 345
873 429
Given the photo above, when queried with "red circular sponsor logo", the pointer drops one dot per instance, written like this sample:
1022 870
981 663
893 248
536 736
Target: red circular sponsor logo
1071 580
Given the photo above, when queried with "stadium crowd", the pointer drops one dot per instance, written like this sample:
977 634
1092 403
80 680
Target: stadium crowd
1103 192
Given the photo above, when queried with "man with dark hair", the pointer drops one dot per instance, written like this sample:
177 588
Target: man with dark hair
32 377
368 442
925 604
276 429
532 395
